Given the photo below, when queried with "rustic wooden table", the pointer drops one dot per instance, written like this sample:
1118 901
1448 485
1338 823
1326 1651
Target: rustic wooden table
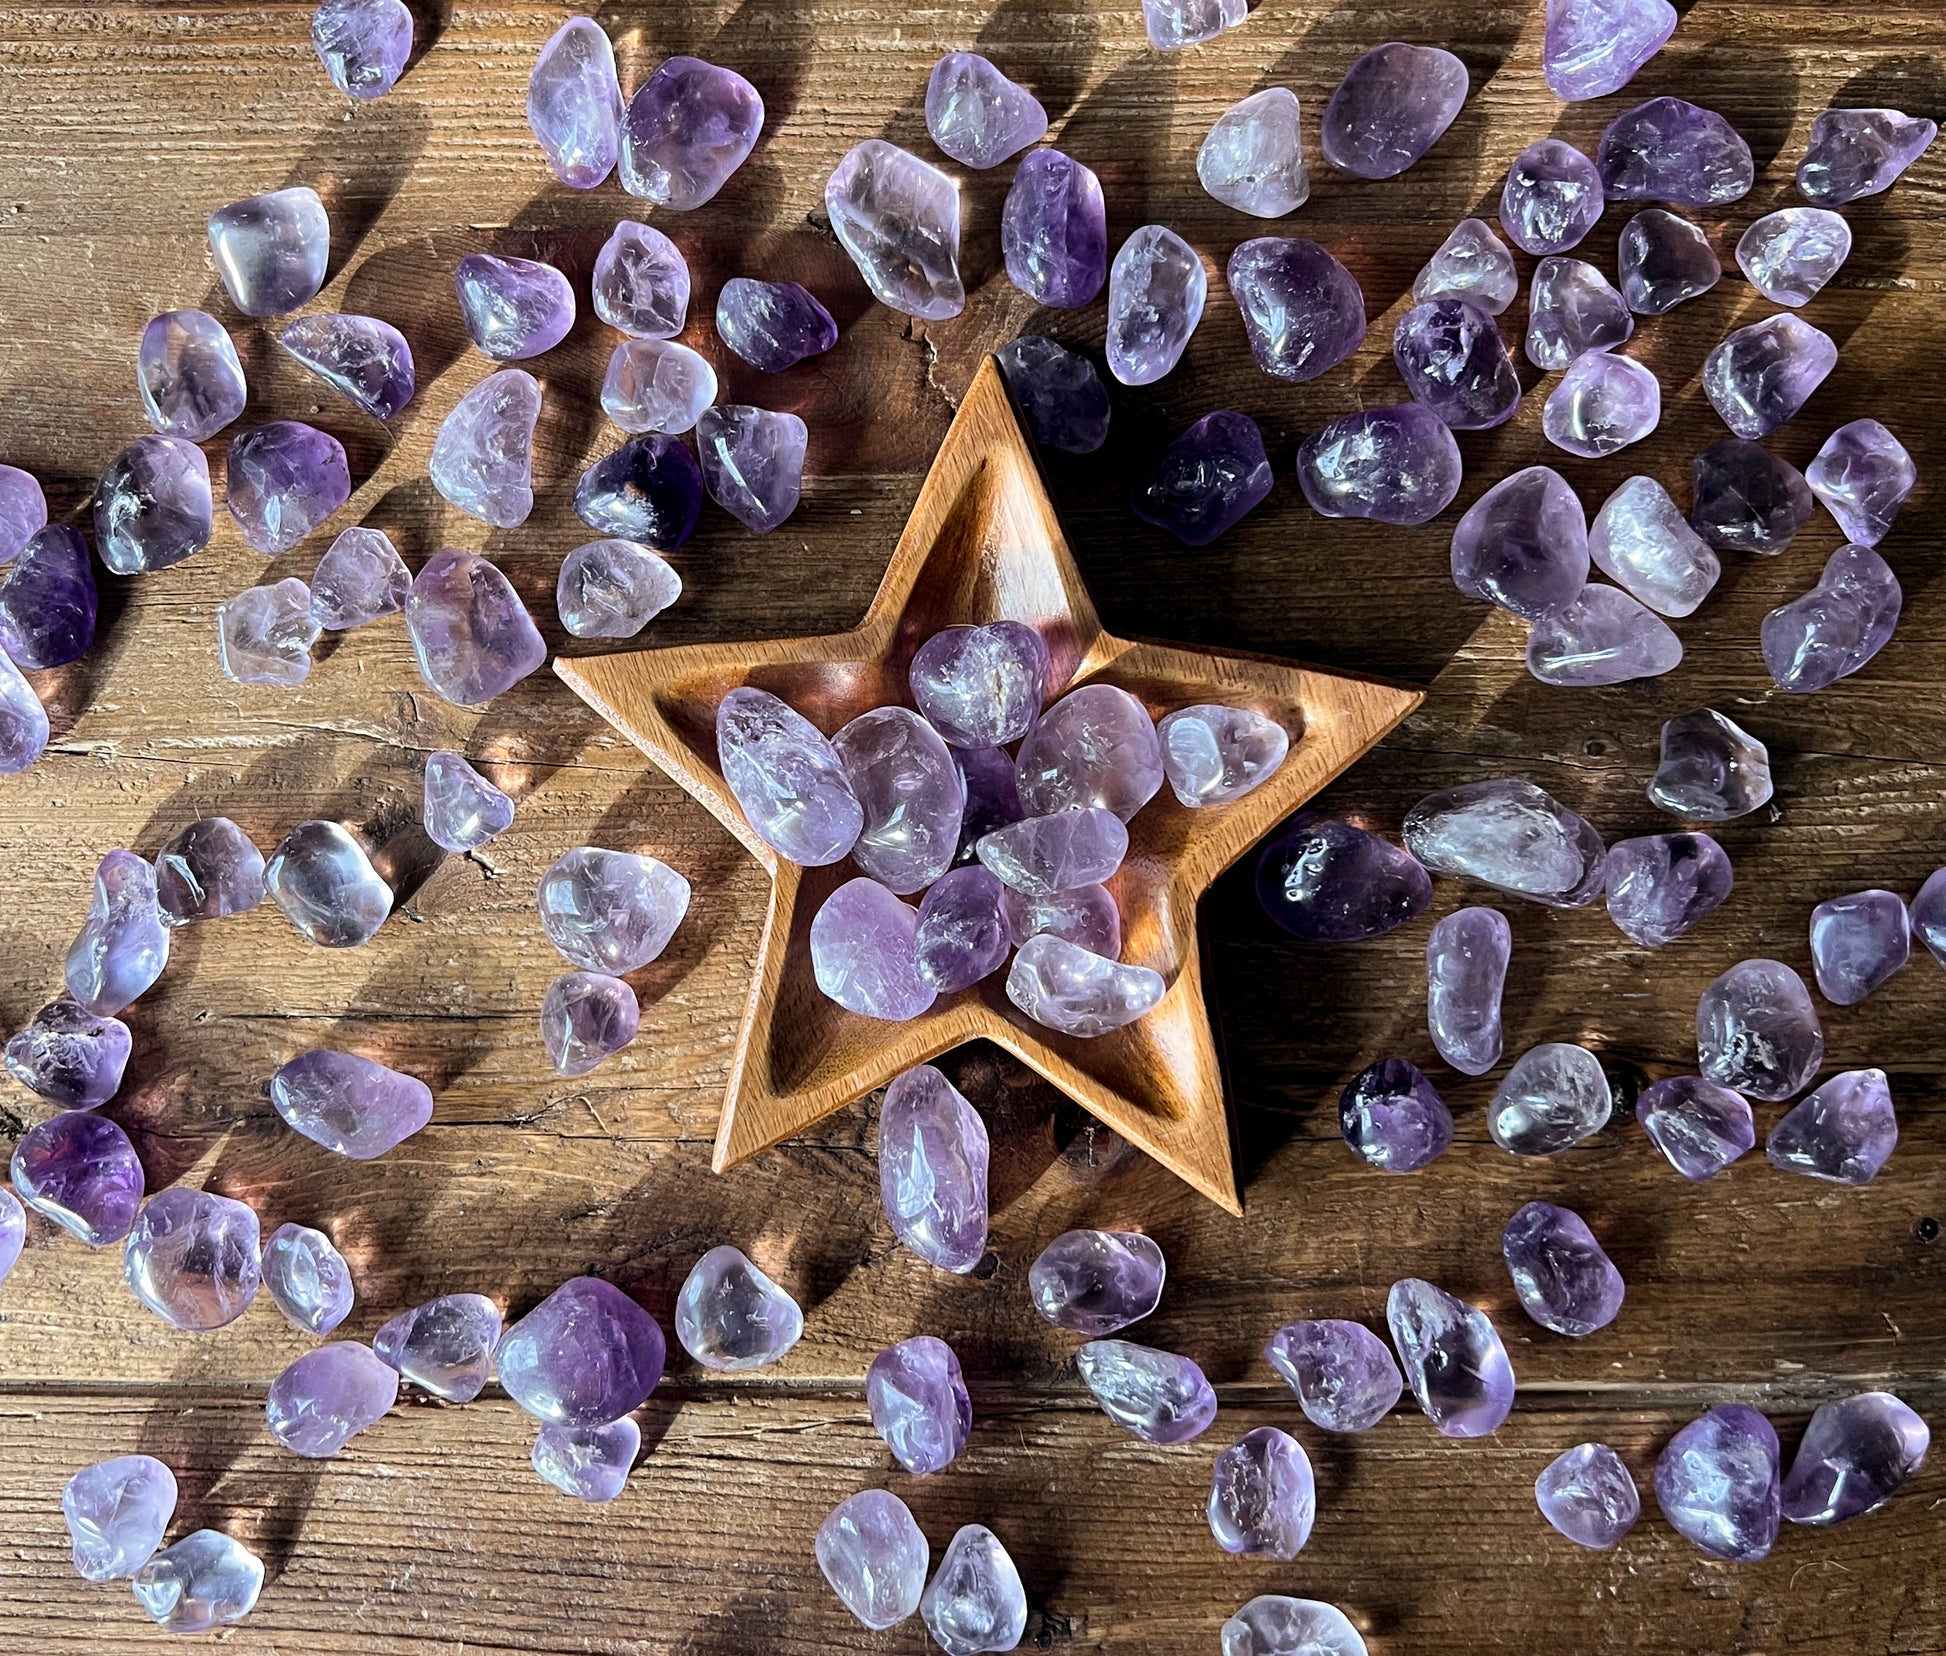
125 124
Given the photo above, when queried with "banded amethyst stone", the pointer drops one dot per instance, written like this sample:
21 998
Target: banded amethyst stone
367 360
910 791
1096 747
980 686
1391 1115
586 1355
1392 106
591 1463
1343 1373
1844 1132
1746 498
1700 1127
1512 835
932 1170
1273 1625
272 250
786 777
656 385
1554 1097
1853 1457
1763 374
1588 1495
1174 24
79 1170
1097 1282
350 1104
1716 1482
265 633
189 375
1860 152
1207 481
1552 197
1594 47
1641 541
651 490
919 1404
483 457
1662 884
1562 1277
23 721
1059 393
610 911
205 1580
1392 465
1471 264
13 1232
864 953
360 578
688 128
752 463
208 870
586 1018
1213 754
1156 291
307 1278
513 308
1712 769
773 325
444 1347
962 935
1327 881
123 945
327 1397
1572 310
1452 1357
117 1512
898 218
153 506
1252 160
1054 231
730 1316
1156 1396
192 1257
1663 260
471 635
363 44
1603 403
975 1601
1857 942
641 282
978 116
322 878
1523 545
574 104
1670 150
23 510
1789 255
1263 1498
72 1057
460 809
1303 312
1757 1031
874 1556
1452 359
48 600
1067 988
1086 916
613 588
1836 627
1863 475
1466 973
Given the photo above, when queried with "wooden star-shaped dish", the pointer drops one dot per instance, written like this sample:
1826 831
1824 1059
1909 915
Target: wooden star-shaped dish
983 545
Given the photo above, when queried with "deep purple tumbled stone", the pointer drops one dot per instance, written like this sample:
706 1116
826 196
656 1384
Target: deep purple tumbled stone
1207 480
363 44
1343 1373
1391 1115
123 945
1763 374
978 116
932 1169
1859 152
586 1355
1466 973
1505 832
1588 1495
1552 197
1391 107
1523 545
918 1403
1844 1132
1757 1031
79 1170
1392 465
513 308
282 480
194 1258
1054 231
1564 1280
1852 1459
1263 1497
444 1346
1662 884
1572 310
1836 627
1452 1357
1863 475
1156 291
70 1056
1327 881
1303 312
586 1018
367 360
48 600
1157 1396
1857 942
1663 260
153 506
687 129
574 103
1097 1281
909 789
1671 150
189 375
992 797
1746 498
350 1104
752 463
471 634
648 490
864 952
1058 391
1452 359
962 935
208 870
327 1397
1094 748
1698 1125
773 325
1594 47
1716 1482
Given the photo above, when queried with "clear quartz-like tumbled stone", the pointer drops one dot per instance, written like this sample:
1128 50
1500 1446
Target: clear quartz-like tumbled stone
910 791
1698 1125
1860 152
1390 1114
205 1580
1157 1396
1263 1497
322 878
591 1463
574 103
1844 1132
752 462
1588 1495
1661 884
1712 769
1789 255
1058 392
1174 24
1603 403
1562 1276
688 128
1757 1031
1452 1357
1853 1457
1716 1482
1331 882
773 325
79 1170
1096 746
1466 972
864 953
610 911
1252 160
1857 942
460 809
1671 150
1086 916
1572 310
1554 1097
350 1104
363 44
649 490
1393 105
1836 627
1523 545
1274 1625
873 1554
1156 291
13 1231
1471 264
1552 197
1452 359
898 218
471 635
1763 374
153 506
980 686
1642 542
975 1601
360 578
731 1316
962 935
978 116
1512 835
1207 481
1040 856
513 308
444 1346
932 1170
327 1397
1067 988
1863 475
1213 754
483 457
657 385
48 601
1746 498
72 1057
1594 47
265 633
272 250
1343 1373
189 375
1392 465
1054 231
282 480
1663 260
117 1512
1303 312
123 945
307 1278
787 778
1097 1282
367 360
586 1355
193 1258
641 282
586 1018
919 1404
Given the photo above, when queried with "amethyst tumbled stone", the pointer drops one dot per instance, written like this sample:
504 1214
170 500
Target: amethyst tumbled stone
1588 1495
1523 545
1857 942
613 588
773 325
471 634
1860 152
79 1170
1844 1132
1214 754
483 458
307 1278
1552 197
1746 498
752 464
327 1397
651 488
48 601
363 44
898 219
282 480
1757 1031
1059 393
1452 359
978 116
1716 1482
586 1018
1466 973
1564 1280
919 1404
1452 1357
350 1104
1510 834
864 952
72 1057
1763 374
1096 747
1156 291
1252 159
444 1346
992 798
641 282
1661 884
23 510
322 878
1328 881
1174 24
1156 1395
1392 106
1836 627
1086 916
1303 312
874 1556
1392 465
980 686
1700 1127
193 1258
265 633
1207 480
1472 264
574 103
586 1355
1097 1282
1789 255
591 1463
1853 1457
1390 1114
1572 310
1594 47
117 1512
1642 542
1671 150
272 250
205 1580
367 360
786 777
610 911
1068 988
123 945
1555 1096
13 1231
189 375
687 129
910 791
932 1170
360 578
1343 1373
1663 260
962 935
975 1600
731 1316
153 506
656 385
1054 231
1603 403
1712 769
513 308
1263 1498
459 808
1863 475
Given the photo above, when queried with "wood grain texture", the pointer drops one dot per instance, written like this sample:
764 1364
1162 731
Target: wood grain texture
127 124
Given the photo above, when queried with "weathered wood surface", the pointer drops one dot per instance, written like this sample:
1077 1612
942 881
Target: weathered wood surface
125 125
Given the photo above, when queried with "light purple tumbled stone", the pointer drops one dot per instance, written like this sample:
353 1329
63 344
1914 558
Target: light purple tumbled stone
641 282
1252 159
610 911
1562 1276
591 1463
1763 374
1927 911
1390 1114
980 686
48 601
1508 833
444 1346
1466 972
79 1170
1086 916
460 809
1852 1459
1174 24
688 128
962 935
1857 942
153 506
1594 47
1860 152
1096 746
1214 754
1155 1395
1700 1126
1392 465
586 1355
471 634
1452 359
1552 197
367 360
1207 481
282 480
656 385
910 792
1712 769
189 375
864 952
1065 987
1747 499
23 511
1671 150
975 1601
1097 1282
1642 542
1662 884
574 103
1587 1494
363 44
360 578
1572 310
1663 260
322 878
1523 545
207 1579
874 1556
1789 255
1392 106
1044 855
513 308
1263 1497
992 795
272 250
1555 1096
192 1257
123 945
1603 403
752 462
932 1170
1863 475
24 729
1452 1357
1054 231
1328 881
731 1316
307 1278
918 1403
72 1057
1757 1031
978 116
13 1231
898 218
1601 636
1836 627
1303 312
1716 1482
1343 1373
482 459
265 633
1844 1132
586 1018
1273 1625
787 778
117 1512
350 1104
1156 291
327 1397
1471 264
773 325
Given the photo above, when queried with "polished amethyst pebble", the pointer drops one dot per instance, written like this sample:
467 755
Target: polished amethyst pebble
1066 987
1853 1457
1263 1498
460 808
1663 260
322 878
483 458
205 1580
1453 1359
909 789
874 1556
1472 264
1391 107
975 1601
1789 255
366 359
1173 24
363 44
978 116
1096 747
918 1402
1857 942
1059 393
13 1231
1860 152
1594 47
1572 310
1523 545
1508 833
189 375
1641 541
586 1355
1746 498
1552 197
79 1170
1086 916
574 103
1757 1031
1303 312
23 510
1273 1625
651 488
307 1278
72 1057
192 1257
1327 881
1214 754
610 911
360 578
208 870
992 796
1466 973
1698 1125
932 1170
687 129
265 633
1343 1373
272 250
586 1018
980 686
962 935
1054 231
327 1397
1157 1396
1712 769
350 1104
1844 1132
123 945
1588 1495
730 1316
752 464
23 721
641 282
1392 465
864 952
1662 884
117 1512
1452 359
1671 150
1207 480
656 385
773 325
1252 159
1555 1096
153 506
1391 1115
1156 290
1836 627
1563 1279
1863 475
513 308
444 1346
48 600
591 1463
613 588
898 219
1716 1482
1927 911
471 634
1763 374
1603 403
786 777
1097 1282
